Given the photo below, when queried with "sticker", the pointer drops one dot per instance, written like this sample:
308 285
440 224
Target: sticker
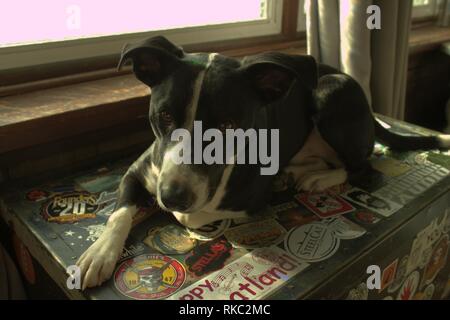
366 217
345 229
131 251
359 293
324 205
296 217
24 259
437 261
439 159
210 231
256 234
208 257
246 278
428 292
416 254
267 213
99 183
37 195
399 275
149 276
312 242
375 203
388 275
425 258
70 207
405 189
409 287
95 231
170 239
390 167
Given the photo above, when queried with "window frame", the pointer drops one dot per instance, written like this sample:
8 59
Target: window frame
23 56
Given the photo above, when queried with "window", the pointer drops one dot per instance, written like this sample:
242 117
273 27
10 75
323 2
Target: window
48 31
424 8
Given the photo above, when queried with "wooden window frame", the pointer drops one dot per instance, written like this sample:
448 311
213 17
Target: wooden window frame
36 77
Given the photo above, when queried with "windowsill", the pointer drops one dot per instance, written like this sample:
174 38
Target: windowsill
427 38
53 114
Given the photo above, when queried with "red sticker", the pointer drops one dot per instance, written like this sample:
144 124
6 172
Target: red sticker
37 195
388 275
208 257
324 205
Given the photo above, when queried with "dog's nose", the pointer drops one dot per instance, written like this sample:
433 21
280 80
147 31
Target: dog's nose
176 196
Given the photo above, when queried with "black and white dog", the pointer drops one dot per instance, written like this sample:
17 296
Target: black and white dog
326 134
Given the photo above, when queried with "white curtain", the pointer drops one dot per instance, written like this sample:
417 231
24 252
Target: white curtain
338 35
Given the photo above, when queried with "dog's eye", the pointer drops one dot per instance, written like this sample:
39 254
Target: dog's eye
165 119
229 124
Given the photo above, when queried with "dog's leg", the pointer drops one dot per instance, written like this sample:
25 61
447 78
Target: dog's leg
318 181
98 261
297 171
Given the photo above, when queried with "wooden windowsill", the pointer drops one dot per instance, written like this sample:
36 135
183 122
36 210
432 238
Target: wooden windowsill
427 38
57 113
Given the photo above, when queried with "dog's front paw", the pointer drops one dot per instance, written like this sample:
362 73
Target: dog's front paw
98 261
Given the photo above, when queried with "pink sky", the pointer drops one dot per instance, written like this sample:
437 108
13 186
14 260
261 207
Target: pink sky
47 20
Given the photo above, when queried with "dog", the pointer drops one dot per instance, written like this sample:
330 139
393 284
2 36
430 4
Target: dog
326 135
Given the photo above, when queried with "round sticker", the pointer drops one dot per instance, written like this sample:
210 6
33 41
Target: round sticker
149 276
409 287
312 242
210 231
70 207
170 239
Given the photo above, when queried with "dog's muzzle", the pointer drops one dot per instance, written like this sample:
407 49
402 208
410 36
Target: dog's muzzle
176 196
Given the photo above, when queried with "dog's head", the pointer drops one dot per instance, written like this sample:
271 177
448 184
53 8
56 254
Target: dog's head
221 92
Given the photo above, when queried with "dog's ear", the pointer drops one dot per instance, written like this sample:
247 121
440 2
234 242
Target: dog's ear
272 73
151 58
